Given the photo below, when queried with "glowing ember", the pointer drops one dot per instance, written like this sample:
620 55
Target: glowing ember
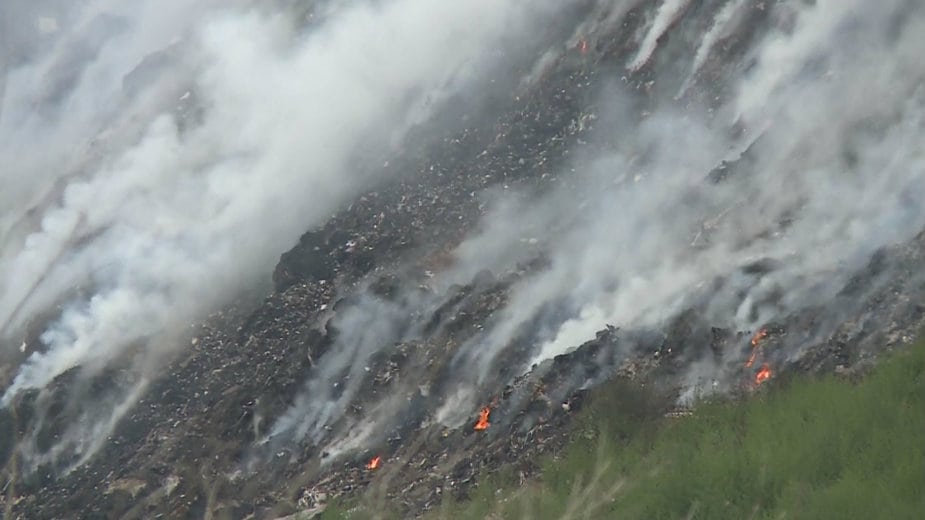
756 342
374 463
583 46
482 423
760 335
763 374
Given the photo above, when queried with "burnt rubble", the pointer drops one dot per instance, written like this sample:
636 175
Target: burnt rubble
198 443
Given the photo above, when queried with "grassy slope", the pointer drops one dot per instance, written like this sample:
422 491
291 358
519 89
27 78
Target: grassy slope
803 448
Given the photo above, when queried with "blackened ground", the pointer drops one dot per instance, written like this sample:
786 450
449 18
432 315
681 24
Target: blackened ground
182 452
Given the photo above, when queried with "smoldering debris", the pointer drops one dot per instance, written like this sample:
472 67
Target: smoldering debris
138 208
694 198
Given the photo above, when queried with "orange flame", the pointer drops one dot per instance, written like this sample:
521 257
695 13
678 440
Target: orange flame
756 342
482 423
763 374
374 463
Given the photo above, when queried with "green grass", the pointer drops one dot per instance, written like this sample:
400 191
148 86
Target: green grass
802 448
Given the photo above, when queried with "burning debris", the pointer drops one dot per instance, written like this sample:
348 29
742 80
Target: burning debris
482 423
246 370
763 374
374 462
756 343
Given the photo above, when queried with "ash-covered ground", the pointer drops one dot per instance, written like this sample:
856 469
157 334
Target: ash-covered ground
494 210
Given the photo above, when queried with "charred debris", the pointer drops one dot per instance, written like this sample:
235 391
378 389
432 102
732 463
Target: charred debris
187 448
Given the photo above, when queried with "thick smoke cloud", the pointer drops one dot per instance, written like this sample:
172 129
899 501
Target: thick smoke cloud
158 156
819 136
141 196
832 112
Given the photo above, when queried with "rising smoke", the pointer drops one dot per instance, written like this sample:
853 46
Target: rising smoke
821 125
136 215
832 110
159 156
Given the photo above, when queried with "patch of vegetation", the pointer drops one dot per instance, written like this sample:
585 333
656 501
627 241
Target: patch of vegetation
803 447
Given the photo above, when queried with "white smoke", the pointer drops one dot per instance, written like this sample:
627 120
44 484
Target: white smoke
668 12
723 25
140 214
837 112
634 235
363 329
170 162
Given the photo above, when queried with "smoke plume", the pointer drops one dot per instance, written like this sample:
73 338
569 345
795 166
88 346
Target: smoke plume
159 156
809 163
828 117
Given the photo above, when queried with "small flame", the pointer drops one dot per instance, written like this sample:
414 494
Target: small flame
482 423
763 374
374 463
583 46
760 335
756 342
